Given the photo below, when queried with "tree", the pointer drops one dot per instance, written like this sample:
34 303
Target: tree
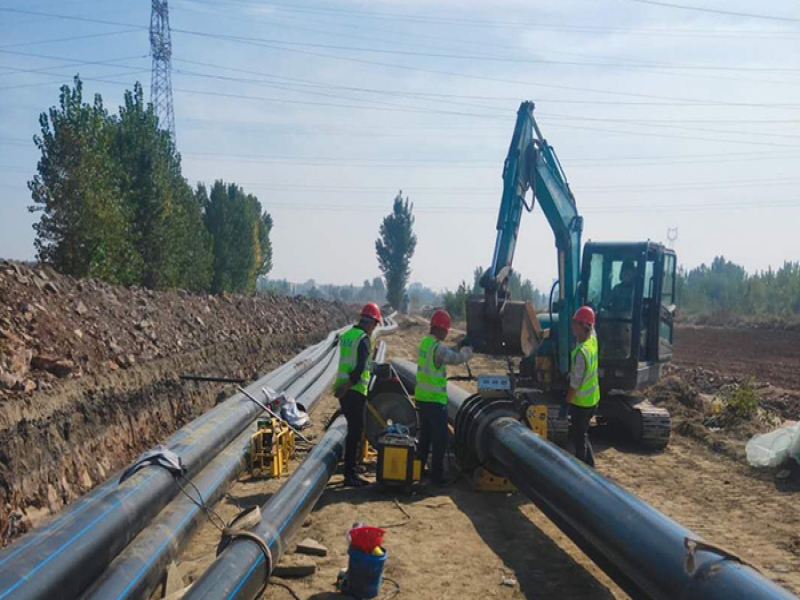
456 302
395 247
167 226
241 234
725 289
83 227
113 200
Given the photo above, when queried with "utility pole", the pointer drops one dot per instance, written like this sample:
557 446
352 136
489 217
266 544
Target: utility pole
161 78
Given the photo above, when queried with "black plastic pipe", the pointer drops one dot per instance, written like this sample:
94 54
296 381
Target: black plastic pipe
241 571
63 558
641 549
139 569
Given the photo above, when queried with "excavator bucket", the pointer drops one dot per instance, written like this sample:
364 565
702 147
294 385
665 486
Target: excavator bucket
514 332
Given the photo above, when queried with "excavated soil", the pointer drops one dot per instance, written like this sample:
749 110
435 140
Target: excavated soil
89 374
455 543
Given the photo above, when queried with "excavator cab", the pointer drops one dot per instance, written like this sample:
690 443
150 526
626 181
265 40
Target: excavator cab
631 287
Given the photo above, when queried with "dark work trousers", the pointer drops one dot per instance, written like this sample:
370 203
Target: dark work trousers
354 406
432 432
579 418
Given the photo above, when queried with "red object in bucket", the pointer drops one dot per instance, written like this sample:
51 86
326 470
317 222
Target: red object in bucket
366 539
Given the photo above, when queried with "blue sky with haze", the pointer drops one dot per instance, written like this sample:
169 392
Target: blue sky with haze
661 116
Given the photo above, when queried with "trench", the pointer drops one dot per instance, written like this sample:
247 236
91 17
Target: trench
59 446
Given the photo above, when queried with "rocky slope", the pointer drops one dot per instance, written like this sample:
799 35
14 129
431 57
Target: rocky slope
89 374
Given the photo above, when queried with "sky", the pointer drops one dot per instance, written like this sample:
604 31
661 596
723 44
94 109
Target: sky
679 115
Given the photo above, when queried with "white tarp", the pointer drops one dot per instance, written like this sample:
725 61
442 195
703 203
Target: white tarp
774 448
287 406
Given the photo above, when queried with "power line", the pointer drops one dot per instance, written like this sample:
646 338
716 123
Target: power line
68 39
670 124
462 210
438 96
271 44
523 60
111 62
717 11
106 79
484 191
445 20
421 110
673 124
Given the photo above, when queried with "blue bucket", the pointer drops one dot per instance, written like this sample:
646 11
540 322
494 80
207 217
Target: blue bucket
365 573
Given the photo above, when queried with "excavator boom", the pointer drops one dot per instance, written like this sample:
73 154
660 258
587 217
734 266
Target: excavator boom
497 324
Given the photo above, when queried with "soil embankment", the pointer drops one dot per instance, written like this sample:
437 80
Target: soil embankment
89 374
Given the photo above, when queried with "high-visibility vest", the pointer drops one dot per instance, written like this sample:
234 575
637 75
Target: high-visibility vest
588 394
349 342
431 380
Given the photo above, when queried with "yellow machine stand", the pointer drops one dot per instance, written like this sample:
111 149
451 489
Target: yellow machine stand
271 447
486 481
397 462
536 415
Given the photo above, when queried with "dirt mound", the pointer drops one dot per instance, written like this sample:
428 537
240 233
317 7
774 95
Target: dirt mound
722 410
89 374
54 327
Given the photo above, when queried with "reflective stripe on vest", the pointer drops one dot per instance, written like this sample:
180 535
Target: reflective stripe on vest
431 381
348 358
588 394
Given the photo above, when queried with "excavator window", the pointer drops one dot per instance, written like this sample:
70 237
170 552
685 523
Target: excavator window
647 307
666 316
611 291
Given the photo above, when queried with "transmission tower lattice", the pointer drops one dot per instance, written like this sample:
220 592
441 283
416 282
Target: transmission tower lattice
161 78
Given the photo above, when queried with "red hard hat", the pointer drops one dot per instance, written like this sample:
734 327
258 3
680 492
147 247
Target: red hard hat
584 315
371 311
441 320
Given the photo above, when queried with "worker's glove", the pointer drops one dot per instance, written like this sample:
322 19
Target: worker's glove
465 342
467 352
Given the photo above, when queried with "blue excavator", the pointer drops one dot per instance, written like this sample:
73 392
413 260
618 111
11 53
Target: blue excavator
630 285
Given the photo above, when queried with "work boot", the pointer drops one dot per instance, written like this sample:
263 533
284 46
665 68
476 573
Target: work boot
354 481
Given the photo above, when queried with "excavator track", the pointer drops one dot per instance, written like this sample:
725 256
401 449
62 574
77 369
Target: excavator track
647 424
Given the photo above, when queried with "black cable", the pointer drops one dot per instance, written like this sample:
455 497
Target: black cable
201 503
395 592
286 587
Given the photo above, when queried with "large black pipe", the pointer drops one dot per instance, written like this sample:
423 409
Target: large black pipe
241 571
139 569
640 548
63 558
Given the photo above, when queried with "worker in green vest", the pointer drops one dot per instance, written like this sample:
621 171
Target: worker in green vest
584 384
431 391
350 386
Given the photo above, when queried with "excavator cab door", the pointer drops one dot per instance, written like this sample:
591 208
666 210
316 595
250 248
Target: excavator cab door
625 284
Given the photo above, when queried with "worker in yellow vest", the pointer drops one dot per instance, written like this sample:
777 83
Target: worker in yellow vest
351 384
431 391
584 384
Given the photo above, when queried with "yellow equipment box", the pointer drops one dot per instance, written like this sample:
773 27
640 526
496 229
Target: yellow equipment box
397 461
271 447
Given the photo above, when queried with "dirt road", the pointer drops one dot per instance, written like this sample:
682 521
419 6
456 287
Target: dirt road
459 544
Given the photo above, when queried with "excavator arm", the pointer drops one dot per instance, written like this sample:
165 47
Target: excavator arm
531 164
